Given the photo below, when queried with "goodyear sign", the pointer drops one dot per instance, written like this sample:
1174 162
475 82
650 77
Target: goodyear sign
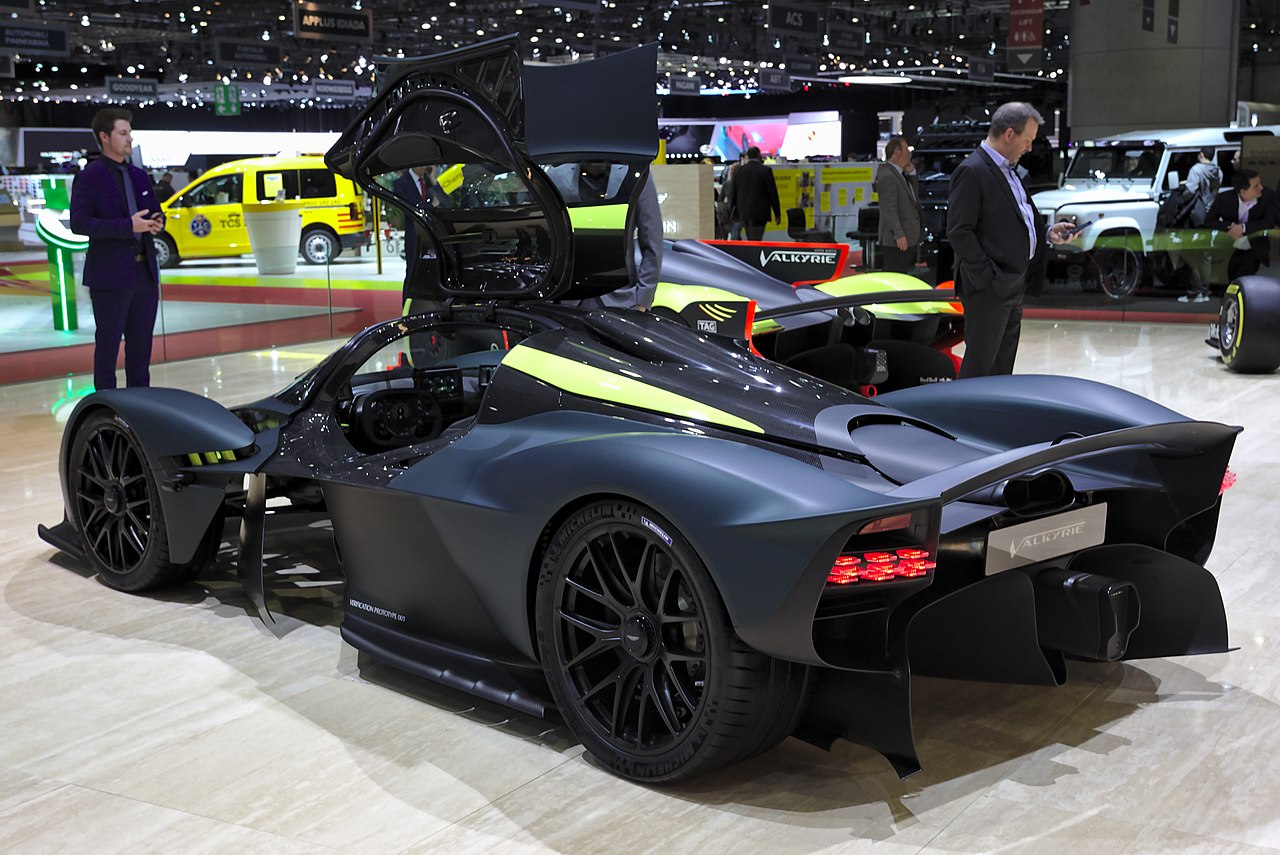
328 23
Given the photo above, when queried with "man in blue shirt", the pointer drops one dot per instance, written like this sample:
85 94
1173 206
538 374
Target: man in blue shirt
997 236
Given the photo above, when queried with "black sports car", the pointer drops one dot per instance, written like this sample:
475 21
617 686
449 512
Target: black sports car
685 550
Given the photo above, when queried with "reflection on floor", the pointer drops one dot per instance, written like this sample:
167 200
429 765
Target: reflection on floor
180 722
206 308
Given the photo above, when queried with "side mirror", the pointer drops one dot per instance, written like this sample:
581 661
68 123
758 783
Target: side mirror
1172 180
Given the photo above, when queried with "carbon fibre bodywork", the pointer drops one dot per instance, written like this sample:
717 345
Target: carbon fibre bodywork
770 474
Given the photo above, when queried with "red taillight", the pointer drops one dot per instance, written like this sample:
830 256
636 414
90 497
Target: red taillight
1228 481
907 563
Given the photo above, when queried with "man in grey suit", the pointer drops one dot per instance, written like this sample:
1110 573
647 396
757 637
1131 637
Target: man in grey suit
898 192
997 236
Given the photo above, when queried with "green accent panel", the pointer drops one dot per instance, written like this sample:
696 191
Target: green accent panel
870 283
591 382
62 287
607 217
56 193
678 297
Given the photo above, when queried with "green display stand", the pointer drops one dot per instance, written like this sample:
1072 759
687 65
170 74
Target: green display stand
61 243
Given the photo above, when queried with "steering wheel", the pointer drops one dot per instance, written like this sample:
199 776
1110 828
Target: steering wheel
390 418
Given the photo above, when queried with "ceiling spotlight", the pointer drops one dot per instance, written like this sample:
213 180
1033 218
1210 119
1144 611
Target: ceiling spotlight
875 79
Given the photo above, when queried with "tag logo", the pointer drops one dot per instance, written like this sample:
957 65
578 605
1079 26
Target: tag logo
708 326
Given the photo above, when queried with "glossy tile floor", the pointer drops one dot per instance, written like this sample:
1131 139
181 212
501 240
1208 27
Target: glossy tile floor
179 723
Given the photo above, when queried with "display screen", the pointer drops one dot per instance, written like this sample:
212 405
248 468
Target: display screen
731 139
811 139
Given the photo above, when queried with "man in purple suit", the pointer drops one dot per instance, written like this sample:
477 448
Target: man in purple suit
115 207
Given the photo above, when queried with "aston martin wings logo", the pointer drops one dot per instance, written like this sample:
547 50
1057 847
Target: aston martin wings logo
1043 539
1062 532
718 312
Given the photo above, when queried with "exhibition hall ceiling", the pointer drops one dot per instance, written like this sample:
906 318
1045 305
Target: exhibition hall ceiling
727 44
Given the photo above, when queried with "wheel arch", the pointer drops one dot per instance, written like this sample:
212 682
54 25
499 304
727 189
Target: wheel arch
1111 227
168 424
557 519
312 228
756 518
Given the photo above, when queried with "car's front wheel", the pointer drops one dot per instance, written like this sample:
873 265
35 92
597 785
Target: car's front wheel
1120 270
319 246
640 655
115 503
166 252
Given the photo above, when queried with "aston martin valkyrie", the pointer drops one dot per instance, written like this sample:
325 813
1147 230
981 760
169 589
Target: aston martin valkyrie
685 550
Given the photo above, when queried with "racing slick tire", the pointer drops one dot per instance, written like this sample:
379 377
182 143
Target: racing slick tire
166 251
1249 325
640 655
115 505
319 246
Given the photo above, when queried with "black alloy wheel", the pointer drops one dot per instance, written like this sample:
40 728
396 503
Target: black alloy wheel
640 656
116 506
1119 270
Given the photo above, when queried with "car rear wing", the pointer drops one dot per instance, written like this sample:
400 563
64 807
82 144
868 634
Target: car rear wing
1173 438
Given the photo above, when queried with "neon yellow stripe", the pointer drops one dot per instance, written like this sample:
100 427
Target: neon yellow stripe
591 382
678 297
301 283
611 217
868 283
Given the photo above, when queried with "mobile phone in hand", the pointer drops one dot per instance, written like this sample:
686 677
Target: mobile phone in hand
1079 228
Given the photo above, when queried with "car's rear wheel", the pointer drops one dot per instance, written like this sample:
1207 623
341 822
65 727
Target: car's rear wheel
115 503
640 655
1249 325
319 246
166 252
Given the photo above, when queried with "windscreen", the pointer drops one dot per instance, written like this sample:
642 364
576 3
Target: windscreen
1126 162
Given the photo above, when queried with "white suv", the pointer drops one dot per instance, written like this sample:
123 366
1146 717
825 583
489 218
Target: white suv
1116 184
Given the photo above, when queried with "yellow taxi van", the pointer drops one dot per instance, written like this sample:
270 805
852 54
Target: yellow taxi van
205 218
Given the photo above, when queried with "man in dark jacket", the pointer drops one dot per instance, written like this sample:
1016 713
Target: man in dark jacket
114 206
1246 213
755 195
898 192
997 236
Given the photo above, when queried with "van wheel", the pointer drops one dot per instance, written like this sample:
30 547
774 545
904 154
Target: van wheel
319 246
166 252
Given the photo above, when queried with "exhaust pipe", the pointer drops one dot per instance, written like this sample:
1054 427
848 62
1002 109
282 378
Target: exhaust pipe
1084 614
